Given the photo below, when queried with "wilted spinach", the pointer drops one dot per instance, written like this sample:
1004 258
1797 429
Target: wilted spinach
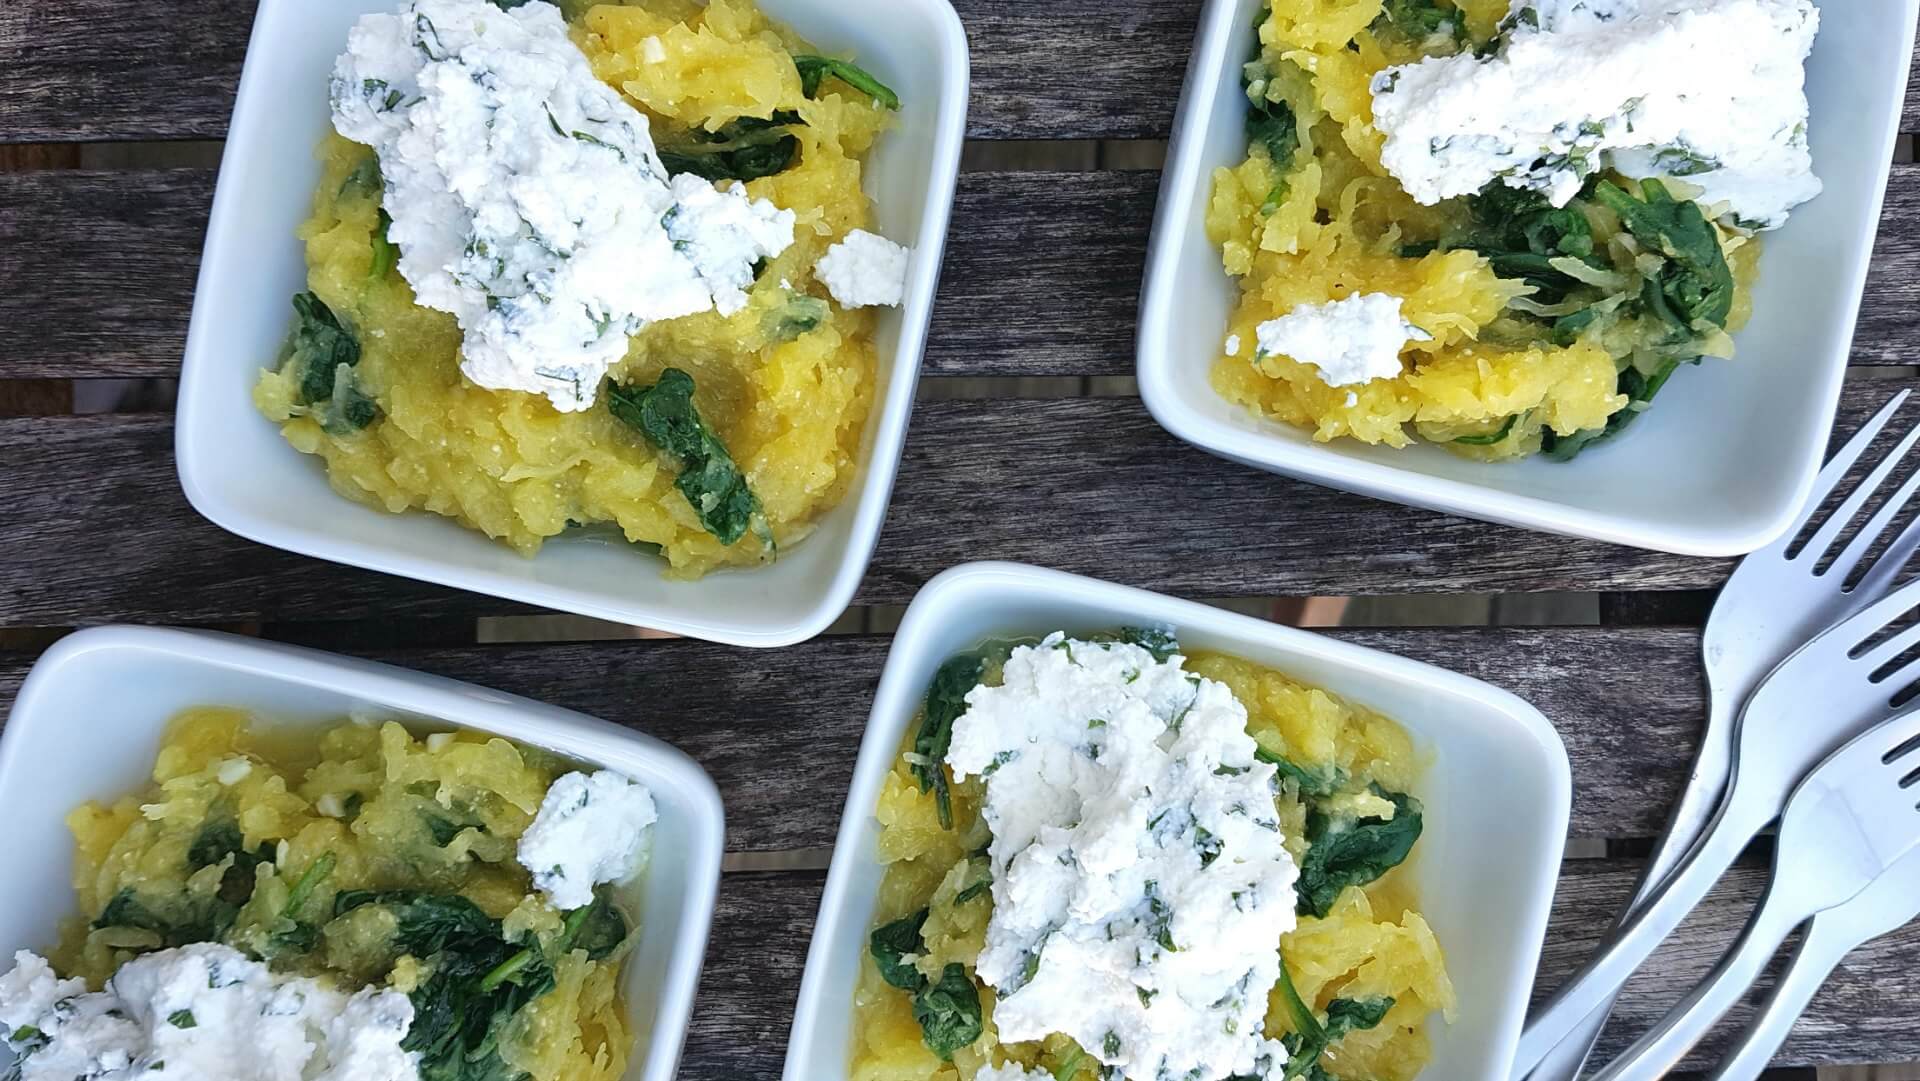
946 701
1271 124
746 149
1344 852
1316 783
815 70
477 981
1159 641
948 1010
796 316
1492 438
1639 390
324 353
1696 285
893 945
386 255
712 483
1419 20
1310 1039
1520 233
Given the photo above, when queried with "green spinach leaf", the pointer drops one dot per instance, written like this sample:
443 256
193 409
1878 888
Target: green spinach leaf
665 414
365 178
1310 1039
1520 233
1639 390
892 944
1159 641
206 920
746 149
1696 285
386 254
796 316
1271 125
1489 439
476 983
324 353
1346 1015
946 701
948 1010
815 70
1420 20
1316 783
1353 852
599 928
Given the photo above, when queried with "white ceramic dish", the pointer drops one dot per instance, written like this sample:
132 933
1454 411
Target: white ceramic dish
1719 468
239 473
122 684
1497 795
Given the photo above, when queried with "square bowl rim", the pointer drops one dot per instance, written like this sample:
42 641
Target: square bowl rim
466 706
1155 367
866 502
979 583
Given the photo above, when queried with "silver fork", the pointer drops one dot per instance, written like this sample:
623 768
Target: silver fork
1889 904
1818 699
1853 824
1776 599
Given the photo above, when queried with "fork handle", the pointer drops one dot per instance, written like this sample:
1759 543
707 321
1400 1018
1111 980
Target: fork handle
1602 976
1655 1054
1821 950
1691 817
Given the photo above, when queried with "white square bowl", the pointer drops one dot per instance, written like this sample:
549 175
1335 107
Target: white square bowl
240 474
1497 795
1723 464
88 720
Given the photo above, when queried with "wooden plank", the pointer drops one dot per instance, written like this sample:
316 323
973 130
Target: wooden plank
1071 69
1864 1015
762 720
1119 498
1042 275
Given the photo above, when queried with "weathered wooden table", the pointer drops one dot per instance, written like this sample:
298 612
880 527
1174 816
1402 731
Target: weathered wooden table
96 274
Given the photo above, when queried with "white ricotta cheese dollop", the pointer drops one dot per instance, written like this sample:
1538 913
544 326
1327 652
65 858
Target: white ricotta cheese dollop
864 270
1707 91
527 198
1353 340
590 829
1140 887
201 1013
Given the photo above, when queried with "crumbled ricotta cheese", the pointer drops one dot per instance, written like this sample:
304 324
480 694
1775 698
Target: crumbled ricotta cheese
590 829
1233 345
1012 1071
233 771
527 197
1353 340
200 1013
1140 886
1707 91
864 270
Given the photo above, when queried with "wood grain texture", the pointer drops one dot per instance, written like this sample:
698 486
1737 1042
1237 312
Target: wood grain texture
1069 69
773 725
1118 498
764 923
1042 275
